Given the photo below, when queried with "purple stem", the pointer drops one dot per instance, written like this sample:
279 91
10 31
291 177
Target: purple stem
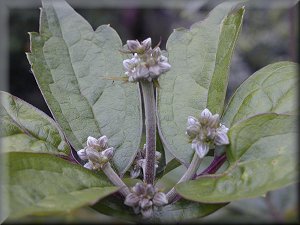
214 166
71 157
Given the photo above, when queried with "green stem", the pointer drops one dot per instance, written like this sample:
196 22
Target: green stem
115 179
191 171
150 122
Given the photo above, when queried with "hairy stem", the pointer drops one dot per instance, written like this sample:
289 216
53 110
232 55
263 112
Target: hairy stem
192 169
115 179
150 122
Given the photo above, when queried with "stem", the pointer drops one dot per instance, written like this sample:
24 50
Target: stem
150 122
192 169
214 166
115 179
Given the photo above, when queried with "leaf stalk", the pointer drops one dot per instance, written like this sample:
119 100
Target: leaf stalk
115 179
192 169
150 122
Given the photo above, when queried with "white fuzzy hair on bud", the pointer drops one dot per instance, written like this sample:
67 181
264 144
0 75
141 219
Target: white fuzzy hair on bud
206 131
96 153
144 198
146 63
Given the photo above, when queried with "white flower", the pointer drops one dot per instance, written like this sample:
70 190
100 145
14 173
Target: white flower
146 63
206 131
144 197
96 153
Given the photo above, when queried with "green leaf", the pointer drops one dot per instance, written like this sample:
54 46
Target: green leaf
271 89
262 157
114 206
173 175
200 59
173 164
42 184
182 210
71 63
26 128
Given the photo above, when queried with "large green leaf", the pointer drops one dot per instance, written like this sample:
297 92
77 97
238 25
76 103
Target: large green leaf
271 89
180 211
262 157
42 184
200 59
71 63
25 128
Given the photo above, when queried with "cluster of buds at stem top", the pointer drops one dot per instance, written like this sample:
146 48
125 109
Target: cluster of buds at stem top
96 153
146 63
206 131
140 162
144 198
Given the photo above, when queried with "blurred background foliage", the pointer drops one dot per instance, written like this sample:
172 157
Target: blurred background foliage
269 34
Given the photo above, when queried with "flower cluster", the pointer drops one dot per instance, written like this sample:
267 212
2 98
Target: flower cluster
146 63
144 197
206 131
139 162
96 153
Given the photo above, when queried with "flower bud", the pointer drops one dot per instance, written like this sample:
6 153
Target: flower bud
193 130
144 197
160 199
164 66
92 142
145 203
92 155
221 139
205 116
200 148
146 44
82 154
108 153
132 199
214 121
192 121
88 165
139 188
135 171
133 45
208 132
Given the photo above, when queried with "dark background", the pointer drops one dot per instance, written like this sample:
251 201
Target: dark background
268 35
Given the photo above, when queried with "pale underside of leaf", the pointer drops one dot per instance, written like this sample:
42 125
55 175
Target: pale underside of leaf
26 128
71 63
273 88
262 157
200 59
42 184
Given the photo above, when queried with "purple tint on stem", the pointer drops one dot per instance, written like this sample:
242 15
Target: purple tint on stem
71 157
214 166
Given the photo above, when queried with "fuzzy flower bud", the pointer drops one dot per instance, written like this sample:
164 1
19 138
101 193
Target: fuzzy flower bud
206 131
146 63
144 198
135 46
96 153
